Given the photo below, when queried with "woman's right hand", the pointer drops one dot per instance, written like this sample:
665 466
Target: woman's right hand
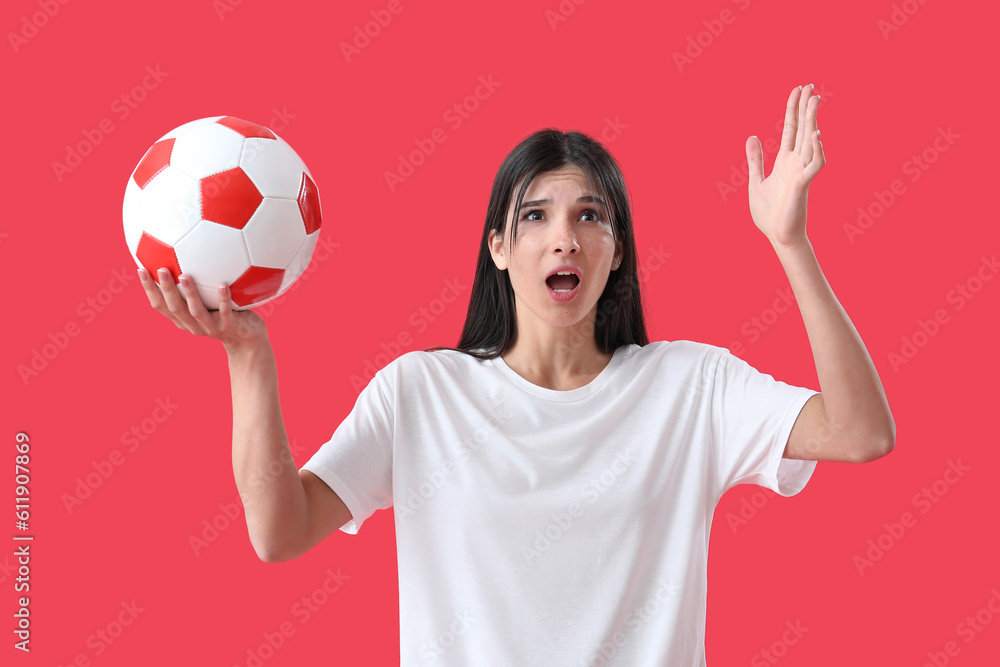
184 307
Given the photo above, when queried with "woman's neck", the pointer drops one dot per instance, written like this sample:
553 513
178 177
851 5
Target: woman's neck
557 366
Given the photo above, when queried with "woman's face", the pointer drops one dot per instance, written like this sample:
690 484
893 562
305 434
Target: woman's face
562 227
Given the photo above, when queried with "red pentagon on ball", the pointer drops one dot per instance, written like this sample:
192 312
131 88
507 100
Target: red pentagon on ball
154 254
309 204
229 198
256 284
156 159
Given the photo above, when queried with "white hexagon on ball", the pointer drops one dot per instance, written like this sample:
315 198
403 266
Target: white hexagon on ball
130 215
273 167
274 233
206 150
170 206
178 131
300 262
212 254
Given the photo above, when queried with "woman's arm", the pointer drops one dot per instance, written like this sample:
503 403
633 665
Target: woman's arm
286 513
273 496
850 420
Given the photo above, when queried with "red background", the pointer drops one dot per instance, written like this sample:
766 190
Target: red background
681 131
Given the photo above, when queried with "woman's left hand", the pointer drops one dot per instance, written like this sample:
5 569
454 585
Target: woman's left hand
778 202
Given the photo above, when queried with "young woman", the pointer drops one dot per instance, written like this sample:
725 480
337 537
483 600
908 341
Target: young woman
554 478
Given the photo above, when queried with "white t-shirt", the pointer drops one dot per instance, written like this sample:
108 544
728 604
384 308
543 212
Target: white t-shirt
571 528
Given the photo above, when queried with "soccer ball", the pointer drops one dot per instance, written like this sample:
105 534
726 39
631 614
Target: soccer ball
223 200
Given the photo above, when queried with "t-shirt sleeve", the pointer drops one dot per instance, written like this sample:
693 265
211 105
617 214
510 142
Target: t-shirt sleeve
357 461
752 415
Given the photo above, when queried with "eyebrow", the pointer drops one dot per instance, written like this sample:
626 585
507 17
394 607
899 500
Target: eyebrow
585 198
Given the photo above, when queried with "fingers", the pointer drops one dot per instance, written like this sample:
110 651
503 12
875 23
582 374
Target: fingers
791 120
156 296
184 306
800 130
755 161
178 308
809 109
196 308
801 121
817 161
152 292
225 306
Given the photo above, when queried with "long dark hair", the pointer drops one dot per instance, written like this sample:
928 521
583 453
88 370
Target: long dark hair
491 323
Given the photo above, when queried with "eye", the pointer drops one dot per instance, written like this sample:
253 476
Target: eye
595 215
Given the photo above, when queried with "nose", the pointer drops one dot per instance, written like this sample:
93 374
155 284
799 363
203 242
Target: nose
564 238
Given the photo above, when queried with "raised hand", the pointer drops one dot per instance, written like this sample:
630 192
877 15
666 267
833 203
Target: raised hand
778 202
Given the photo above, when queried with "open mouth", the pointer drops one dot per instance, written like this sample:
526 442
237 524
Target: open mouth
563 285
563 282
